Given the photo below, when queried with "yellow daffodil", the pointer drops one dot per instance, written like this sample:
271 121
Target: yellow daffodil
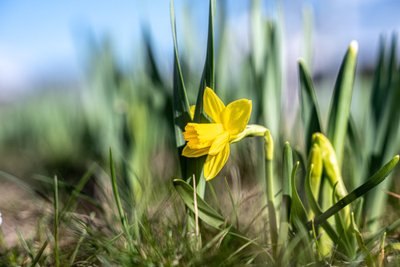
213 139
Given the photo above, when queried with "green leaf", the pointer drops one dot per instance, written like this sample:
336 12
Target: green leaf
361 244
151 65
308 25
207 78
379 82
286 196
181 106
340 106
297 211
205 212
376 179
309 106
386 138
271 77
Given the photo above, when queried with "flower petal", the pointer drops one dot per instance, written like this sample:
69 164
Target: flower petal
219 143
201 135
214 163
213 105
236 115
194 153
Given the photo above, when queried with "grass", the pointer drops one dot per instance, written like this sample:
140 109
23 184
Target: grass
123 194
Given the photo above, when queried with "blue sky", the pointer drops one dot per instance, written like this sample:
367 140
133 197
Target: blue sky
44 37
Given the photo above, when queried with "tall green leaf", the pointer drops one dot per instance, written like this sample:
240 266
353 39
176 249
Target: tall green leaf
181 106
340 106
298 214
286 196
309 105
207 78
272 81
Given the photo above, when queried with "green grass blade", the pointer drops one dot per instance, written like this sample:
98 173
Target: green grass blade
39 254
216 240
205 212
118 202
341 101
376 179
56 224
361 244
309 105
77 190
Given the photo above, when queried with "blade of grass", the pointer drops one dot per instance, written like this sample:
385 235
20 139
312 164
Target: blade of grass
39 254
56 224
77 190
360 241
24 244
117 199
234 208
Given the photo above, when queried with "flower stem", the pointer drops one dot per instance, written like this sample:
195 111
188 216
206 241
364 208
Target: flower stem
269 155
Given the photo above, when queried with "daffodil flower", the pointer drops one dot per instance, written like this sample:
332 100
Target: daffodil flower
213 139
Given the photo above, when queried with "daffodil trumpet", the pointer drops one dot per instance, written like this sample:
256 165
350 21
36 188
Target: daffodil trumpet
228 124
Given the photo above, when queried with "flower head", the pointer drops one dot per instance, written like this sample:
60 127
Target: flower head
213 139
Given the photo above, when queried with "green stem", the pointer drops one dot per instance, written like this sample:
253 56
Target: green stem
269 154
56 208
118 202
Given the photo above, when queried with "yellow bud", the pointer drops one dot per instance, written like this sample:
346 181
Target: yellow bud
330 162
315 160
